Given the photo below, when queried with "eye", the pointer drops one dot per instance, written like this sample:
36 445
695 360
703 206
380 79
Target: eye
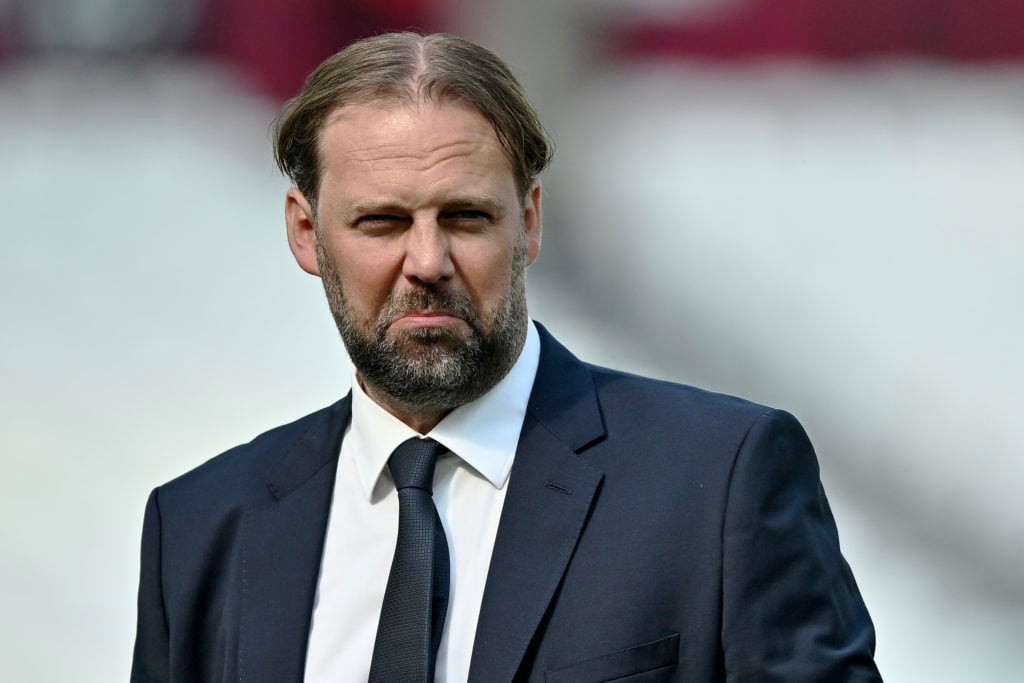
468 218
381 223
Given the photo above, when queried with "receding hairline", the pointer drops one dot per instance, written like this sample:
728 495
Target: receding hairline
390 101
408 69
393 101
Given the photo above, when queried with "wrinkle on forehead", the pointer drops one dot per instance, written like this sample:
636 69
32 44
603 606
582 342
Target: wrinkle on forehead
391 137
406 156
424 157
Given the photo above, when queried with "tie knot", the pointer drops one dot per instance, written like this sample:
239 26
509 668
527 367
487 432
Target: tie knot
412 464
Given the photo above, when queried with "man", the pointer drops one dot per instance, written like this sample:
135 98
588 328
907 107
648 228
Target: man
565 522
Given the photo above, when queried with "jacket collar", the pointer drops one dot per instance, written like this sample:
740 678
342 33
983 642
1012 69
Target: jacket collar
281 549
550 495
551 491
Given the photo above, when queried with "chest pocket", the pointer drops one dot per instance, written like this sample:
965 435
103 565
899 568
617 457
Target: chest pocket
650 663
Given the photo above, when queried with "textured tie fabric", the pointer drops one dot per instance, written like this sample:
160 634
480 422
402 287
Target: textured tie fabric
416 599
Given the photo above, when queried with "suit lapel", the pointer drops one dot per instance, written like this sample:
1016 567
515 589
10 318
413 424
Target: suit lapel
551 491
282 545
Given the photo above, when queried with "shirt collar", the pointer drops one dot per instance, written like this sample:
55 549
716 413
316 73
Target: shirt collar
483 433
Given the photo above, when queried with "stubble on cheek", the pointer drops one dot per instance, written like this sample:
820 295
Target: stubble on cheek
436 368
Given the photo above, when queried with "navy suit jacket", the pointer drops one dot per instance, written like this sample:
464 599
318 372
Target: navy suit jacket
651 532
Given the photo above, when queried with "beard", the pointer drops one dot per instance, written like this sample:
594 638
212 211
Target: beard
432 368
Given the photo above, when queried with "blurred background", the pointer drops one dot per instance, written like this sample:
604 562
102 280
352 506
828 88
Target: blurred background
815 204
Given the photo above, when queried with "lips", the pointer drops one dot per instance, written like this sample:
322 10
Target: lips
429 308
429 313
427 318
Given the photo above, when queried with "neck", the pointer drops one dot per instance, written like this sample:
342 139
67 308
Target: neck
419 418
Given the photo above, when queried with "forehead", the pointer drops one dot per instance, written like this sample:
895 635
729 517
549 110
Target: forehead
424 136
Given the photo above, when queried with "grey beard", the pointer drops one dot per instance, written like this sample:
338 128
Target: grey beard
433 369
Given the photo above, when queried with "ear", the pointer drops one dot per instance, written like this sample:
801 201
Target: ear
532 221
298 217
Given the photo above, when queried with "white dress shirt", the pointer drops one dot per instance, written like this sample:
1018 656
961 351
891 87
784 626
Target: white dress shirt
469 490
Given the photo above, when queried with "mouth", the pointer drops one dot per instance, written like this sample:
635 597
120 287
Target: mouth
416 319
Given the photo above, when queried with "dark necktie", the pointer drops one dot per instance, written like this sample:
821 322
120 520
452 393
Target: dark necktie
416 599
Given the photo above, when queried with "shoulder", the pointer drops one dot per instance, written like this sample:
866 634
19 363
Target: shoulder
563 378
243 474
627 397
629 408
698 434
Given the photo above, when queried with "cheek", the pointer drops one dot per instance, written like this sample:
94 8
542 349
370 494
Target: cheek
370 293
365 263
367 283
487 277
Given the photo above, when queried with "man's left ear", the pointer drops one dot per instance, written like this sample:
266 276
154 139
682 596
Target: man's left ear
532 221
299 218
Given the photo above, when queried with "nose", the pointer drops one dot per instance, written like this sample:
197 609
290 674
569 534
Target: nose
428 252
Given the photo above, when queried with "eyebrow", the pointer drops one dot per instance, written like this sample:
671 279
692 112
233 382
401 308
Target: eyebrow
375 207
453 204
458 203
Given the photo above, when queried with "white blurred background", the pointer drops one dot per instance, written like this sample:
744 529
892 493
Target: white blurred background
815 204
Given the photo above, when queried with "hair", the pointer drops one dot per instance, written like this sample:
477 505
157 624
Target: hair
409 68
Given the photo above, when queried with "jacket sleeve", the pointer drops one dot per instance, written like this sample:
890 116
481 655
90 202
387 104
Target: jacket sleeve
150 662
791 608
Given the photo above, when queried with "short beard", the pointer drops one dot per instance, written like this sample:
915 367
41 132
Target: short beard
432 369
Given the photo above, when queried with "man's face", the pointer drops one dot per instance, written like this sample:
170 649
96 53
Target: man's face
421 240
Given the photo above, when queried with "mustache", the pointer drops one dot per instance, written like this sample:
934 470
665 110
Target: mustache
428 298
